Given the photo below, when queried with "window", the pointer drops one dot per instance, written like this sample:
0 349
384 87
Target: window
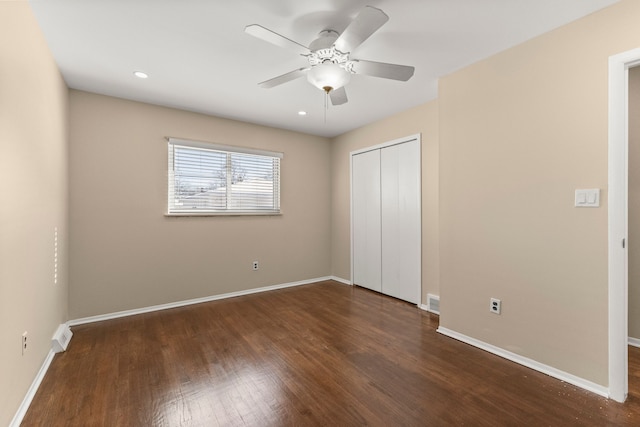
215 179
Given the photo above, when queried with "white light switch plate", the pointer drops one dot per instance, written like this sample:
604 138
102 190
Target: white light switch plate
589 198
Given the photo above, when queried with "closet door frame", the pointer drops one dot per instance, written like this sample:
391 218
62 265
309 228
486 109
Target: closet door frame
415 137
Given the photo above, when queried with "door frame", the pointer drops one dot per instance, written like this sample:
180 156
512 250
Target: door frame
618 226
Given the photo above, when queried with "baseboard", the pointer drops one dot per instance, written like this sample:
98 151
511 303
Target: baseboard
529 363
341 280
26 402
133 312
634 342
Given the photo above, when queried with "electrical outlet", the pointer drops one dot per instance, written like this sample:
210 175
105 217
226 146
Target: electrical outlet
24 343
255 265
496 306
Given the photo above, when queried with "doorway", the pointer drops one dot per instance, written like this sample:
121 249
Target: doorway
633 296
619 66
634 206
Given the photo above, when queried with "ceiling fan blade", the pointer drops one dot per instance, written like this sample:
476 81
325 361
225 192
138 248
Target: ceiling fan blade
338 96
382 69
292 75
368 21
275 38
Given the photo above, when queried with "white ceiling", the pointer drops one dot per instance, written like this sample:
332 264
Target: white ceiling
199 58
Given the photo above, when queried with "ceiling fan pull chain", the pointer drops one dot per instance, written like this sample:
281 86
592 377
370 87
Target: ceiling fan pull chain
326 106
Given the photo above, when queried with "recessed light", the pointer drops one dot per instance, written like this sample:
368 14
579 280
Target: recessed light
140 74
302 113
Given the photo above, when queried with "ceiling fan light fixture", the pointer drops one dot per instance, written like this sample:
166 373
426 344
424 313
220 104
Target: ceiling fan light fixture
329 64
328 76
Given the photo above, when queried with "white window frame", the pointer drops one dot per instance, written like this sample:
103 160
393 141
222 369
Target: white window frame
172 210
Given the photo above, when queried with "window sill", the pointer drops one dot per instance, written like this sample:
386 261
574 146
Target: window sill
198 214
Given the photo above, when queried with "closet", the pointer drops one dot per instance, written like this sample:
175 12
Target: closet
386 237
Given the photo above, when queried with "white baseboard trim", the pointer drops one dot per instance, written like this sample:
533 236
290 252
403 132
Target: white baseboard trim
529 363
341 280
133 312
634 342
26 402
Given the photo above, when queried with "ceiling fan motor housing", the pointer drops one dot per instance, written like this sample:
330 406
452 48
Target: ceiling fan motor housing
325 40
323 51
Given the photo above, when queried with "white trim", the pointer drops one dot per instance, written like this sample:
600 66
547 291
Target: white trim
222 213
133 312
529 363
341 280
634 342
618 222
414 137
28 398
351 263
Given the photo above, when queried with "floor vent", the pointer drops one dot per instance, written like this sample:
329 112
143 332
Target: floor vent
433 304
61 338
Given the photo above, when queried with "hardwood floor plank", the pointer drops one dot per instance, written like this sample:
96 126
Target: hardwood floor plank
321 354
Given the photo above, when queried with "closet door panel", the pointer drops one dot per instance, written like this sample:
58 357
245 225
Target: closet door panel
366 220
401 221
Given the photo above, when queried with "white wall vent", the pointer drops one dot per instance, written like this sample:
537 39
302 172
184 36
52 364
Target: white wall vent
61 338
433 304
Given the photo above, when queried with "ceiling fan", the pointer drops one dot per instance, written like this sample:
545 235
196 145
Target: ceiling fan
330 66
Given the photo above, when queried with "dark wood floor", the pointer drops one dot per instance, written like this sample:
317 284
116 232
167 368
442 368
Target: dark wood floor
322 354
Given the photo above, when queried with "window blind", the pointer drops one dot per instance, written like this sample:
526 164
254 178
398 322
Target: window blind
218 179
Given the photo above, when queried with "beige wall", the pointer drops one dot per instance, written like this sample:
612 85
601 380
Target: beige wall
503 150
126 254
634 202
33 184
520 132
423 120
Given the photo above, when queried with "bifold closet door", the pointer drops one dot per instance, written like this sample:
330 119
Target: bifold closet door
401 221
365 175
